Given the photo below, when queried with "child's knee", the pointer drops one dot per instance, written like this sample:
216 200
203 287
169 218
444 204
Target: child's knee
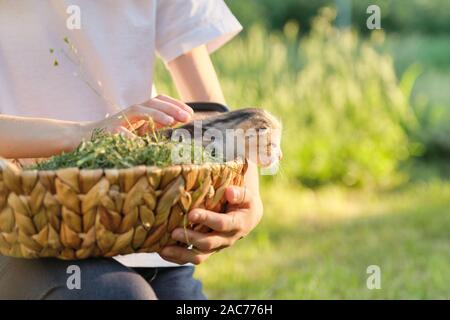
121 286
130 287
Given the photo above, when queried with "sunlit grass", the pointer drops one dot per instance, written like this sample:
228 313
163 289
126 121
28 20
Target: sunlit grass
319 246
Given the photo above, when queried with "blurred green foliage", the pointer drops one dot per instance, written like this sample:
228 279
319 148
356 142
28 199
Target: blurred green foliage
431 95
352 115
417 34
344 113
408 16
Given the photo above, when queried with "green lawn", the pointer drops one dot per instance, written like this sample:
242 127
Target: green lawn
318 244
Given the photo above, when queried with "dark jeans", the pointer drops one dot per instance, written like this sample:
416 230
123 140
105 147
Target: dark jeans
99 279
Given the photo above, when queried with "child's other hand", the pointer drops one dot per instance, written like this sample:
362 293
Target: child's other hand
244 213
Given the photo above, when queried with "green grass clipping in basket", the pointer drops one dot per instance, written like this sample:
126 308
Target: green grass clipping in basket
108 150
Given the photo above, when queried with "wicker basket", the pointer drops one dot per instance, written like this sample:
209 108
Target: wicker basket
77 213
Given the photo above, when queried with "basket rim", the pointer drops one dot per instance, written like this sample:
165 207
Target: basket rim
237 161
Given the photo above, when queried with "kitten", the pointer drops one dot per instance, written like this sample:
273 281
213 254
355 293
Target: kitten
250 133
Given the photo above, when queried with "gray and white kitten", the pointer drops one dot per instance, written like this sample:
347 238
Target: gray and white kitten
250 133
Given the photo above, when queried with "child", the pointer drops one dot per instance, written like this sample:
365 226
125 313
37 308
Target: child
54 93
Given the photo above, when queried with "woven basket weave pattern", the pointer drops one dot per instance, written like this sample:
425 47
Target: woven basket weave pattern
76 214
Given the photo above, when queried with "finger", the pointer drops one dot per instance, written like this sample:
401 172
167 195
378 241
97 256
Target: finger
170 109
219 222
238 195
182 255
180 104
202 241
145 128
127 133
137 125
139 112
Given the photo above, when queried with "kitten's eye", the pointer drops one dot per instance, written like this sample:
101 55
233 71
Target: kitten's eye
262 130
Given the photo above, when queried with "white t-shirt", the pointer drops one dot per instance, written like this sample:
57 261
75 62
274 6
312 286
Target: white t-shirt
117 44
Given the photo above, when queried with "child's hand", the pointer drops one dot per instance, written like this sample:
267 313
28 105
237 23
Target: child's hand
243 214
163 110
